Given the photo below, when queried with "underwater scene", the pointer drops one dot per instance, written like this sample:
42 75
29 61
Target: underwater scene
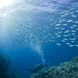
38 38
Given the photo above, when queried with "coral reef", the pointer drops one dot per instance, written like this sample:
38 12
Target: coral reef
64 70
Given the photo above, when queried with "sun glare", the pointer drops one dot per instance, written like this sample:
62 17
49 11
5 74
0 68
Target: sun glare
4 3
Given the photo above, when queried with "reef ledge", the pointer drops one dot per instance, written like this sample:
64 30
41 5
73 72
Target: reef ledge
64 70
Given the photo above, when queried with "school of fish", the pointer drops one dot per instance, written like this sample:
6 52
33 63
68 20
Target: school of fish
60 28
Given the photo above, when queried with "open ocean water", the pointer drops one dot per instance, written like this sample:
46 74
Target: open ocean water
38 32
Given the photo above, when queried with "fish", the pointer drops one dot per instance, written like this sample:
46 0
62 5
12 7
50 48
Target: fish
57 28
76 45
70 21
58 24
64 15
71 45
67 31
60 27
64 24
37 68
76 11
73 16
58 44
76 22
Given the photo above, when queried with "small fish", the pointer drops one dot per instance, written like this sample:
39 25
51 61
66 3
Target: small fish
62 28
72 41
71 27
46 36
65 24
71 9
44 31
74 25
65 35
57 28
68 43
58 44
67 31
73 16
70 21
64 15
63 40
47 26
72 12
76 11
58 36
58 24
76 45
77 29
52 38
76 22
62 21
71 45
72 38
73 31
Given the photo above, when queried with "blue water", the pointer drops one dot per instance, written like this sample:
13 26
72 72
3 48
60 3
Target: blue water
22 56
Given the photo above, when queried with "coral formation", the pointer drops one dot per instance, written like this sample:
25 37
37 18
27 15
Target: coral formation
64 70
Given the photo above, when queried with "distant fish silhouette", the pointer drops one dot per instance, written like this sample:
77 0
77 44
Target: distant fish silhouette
37 68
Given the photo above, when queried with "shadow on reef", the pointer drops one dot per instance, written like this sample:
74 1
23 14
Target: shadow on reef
4 68
64 70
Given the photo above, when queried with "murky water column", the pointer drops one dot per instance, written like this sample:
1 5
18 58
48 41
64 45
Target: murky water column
40 51
38 48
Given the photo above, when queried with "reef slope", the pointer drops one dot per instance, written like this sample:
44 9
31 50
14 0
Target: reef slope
64 70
